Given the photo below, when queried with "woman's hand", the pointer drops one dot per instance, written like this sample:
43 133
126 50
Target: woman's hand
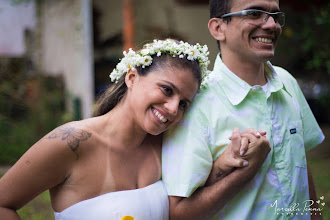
258 149
233 156
245 140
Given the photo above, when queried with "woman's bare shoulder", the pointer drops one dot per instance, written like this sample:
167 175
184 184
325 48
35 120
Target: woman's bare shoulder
71 135
46 164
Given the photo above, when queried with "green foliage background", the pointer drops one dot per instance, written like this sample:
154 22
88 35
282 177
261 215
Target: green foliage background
30 107
315 35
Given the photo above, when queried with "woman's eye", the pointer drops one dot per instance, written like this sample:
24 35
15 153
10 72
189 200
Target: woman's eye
167 90
183 105
254 14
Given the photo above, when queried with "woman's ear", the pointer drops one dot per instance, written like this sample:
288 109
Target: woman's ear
130 77
217 28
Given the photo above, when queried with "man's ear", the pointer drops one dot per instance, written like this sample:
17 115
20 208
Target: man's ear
131 77
217 28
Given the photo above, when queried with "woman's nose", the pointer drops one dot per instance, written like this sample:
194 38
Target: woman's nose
172 107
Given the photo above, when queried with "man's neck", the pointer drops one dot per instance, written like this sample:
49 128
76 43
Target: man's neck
251 72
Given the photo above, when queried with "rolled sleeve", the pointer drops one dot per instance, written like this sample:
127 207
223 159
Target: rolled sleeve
312 132
186 158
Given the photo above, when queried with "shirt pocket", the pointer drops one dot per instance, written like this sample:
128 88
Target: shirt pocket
295 141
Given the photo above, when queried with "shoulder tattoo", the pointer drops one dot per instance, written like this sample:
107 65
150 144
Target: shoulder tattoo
71 135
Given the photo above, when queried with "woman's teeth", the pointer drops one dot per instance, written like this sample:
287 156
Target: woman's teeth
162 118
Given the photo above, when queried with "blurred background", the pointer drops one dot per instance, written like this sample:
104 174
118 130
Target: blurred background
56 56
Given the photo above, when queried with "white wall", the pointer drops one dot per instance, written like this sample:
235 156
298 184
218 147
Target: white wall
14 19
66 47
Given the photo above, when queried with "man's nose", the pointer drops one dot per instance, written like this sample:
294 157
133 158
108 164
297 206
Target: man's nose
270 23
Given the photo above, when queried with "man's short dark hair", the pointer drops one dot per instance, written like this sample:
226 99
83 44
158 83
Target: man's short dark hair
219 8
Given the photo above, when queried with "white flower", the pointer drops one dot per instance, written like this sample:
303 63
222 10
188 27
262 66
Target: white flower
131 59
115 75
147 60
144 52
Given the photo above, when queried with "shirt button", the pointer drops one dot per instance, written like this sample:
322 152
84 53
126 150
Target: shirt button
279 166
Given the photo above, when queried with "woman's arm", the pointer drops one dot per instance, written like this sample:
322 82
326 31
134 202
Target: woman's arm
207 201
226 162
8 214
45 165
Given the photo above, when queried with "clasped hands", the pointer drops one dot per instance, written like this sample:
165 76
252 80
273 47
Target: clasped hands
247 150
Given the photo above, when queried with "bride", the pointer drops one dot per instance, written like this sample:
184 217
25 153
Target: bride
109 166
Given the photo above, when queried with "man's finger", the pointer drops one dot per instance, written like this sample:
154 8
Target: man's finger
248 136
236 141
256 133
237 162
244 145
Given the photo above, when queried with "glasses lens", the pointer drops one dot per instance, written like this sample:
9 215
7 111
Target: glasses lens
281 19
254 14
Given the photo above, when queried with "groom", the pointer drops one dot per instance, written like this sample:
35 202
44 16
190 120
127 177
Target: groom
244 90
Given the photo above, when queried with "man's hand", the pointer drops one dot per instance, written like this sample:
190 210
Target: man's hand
239 151
232 157
258 149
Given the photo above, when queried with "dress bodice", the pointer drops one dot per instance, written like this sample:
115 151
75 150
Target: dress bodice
148 203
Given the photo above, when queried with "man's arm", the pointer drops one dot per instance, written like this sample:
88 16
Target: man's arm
206 201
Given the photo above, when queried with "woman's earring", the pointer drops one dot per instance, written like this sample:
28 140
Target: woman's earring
129 86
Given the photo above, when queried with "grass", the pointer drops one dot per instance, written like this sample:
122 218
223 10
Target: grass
320 171
38 209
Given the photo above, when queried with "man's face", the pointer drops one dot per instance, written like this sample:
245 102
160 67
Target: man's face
247 39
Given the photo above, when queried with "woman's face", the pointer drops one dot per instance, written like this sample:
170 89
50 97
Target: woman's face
160 98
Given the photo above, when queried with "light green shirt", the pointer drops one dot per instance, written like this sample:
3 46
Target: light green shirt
228 102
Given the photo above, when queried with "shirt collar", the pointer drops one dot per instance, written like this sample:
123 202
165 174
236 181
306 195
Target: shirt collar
237 89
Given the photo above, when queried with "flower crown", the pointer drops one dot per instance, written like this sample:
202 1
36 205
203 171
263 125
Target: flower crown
144 57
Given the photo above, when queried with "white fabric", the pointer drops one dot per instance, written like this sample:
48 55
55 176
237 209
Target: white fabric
149 203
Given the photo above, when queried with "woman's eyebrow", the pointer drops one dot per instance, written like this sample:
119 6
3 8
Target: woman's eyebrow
172 85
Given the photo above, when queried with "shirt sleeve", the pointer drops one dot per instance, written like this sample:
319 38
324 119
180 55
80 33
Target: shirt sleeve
186 158
313 134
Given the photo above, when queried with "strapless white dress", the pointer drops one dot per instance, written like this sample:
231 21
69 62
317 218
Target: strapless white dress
148 203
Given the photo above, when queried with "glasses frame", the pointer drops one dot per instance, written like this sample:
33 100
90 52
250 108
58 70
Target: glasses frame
269 14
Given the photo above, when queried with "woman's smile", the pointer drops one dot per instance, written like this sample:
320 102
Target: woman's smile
159 116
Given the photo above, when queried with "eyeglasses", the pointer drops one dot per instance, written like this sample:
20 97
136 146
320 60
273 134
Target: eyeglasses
259 15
